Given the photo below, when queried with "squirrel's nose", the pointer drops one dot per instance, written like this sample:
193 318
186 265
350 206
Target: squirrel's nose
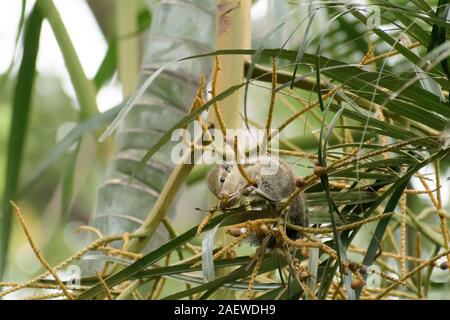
224 197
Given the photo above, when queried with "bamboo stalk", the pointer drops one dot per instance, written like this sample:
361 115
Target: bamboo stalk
84 88
233 31
126 24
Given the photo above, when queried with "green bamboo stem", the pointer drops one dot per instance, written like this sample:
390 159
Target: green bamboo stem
233 31
126 24
84 88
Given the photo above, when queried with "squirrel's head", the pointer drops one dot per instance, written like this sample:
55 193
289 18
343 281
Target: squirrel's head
217 178
224 181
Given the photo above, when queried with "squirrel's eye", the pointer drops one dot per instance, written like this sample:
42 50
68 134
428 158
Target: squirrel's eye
222 179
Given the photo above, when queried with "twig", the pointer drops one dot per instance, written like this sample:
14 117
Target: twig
388 255
403 269
38 253
340 228
302 243
229 246
412 272
105 286
273 96
244 174
42 286
90 229
388 54
91 246
300 112
419 276
118 252
205 221
442 218
173 234
216 106
309 180
128 290
46 296
251 281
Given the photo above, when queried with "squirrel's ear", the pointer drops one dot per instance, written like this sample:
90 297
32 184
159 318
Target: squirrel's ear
212 177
